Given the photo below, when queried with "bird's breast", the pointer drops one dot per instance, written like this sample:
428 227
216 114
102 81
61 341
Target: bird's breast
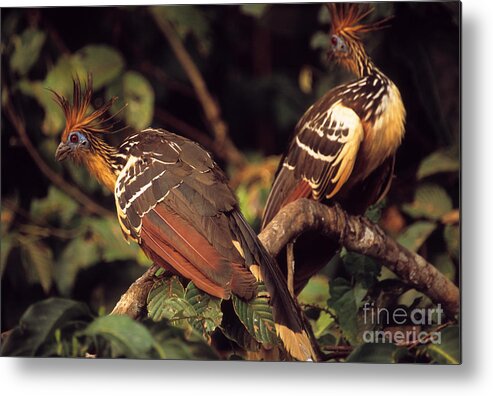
383 132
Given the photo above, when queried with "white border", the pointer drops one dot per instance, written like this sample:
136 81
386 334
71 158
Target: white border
83 377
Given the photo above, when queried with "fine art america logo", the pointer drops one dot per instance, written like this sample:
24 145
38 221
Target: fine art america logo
401 326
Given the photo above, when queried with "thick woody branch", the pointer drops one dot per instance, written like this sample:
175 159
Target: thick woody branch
133 302
355 233
359 235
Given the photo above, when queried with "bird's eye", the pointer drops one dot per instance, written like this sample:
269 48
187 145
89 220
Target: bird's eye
338 44
74 138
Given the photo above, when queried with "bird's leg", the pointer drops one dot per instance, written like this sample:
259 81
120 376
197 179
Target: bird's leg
291 265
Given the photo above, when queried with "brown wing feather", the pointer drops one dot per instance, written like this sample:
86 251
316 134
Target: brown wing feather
286 189
322 155
174 200
159 251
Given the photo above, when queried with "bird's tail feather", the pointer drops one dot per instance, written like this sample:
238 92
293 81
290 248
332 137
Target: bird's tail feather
287 316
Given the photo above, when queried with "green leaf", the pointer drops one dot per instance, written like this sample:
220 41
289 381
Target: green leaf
324 321
207 308
346 300
242 194
256 316
38 257
165 288
59 79
324 16
27 48
413 298
178 311
446 350
445 265
108 236
102 61
254 10
80 253
187 20
174 343
374 212
137 93
451 234
430 201
54 120
35 334
166 300
56 205
374 353
364 269
416 234
126 337
235 331
439 162
319 40
7 243
316 291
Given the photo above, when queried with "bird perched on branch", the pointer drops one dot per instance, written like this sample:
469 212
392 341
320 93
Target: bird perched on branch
344 146
175 202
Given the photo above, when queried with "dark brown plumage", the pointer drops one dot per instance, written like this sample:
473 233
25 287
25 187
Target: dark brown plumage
344 145
175 202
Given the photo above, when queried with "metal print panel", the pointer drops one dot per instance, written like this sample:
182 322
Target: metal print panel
262 182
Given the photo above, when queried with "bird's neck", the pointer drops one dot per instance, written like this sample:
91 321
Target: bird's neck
360 63
104 162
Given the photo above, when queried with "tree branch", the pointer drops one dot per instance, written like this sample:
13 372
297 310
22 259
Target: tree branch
133 301
357 234
210 107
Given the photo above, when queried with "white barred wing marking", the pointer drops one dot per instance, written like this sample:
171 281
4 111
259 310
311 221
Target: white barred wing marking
326 159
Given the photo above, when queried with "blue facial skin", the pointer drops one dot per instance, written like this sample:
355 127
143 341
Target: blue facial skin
338 44
77 139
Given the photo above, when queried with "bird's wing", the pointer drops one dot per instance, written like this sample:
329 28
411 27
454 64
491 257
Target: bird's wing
173 201
320 158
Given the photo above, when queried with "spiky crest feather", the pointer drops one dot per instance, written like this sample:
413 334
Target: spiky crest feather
78 115
347 17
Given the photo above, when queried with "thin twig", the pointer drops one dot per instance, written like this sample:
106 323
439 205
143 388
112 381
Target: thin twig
338 348
427 339
54 177
291 266
209 104
38 226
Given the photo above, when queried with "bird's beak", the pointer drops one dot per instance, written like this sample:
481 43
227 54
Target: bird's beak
62 151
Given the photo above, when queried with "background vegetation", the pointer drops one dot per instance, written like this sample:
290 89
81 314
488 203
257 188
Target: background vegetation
64 263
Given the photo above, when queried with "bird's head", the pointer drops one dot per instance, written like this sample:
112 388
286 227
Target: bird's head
346 46
82 125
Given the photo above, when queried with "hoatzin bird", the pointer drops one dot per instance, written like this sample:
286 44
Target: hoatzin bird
344 146
175 202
